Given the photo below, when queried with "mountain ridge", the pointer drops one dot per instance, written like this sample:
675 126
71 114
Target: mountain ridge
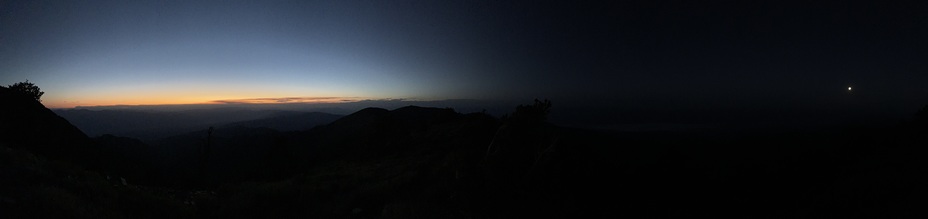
27 123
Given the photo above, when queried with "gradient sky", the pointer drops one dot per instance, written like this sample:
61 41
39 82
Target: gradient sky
664 53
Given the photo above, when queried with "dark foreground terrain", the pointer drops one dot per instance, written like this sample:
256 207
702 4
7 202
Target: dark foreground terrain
416 162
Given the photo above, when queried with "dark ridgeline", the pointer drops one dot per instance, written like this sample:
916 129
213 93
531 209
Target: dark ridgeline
50 169
26 123
416 162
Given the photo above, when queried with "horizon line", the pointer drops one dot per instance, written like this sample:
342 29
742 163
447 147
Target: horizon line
268 101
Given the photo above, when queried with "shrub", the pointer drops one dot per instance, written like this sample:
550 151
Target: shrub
27 88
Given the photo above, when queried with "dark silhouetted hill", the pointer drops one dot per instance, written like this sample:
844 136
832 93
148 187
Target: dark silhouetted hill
236 154
241 153
35 186
420 162
374 131
436 163
26 124
50 169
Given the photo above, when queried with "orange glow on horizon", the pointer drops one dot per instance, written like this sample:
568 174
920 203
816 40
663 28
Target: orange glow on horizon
164 94
55 103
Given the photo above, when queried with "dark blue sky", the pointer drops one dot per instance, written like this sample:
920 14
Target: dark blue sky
644 54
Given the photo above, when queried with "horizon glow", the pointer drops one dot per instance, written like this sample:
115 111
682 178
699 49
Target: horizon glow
149 53
112 52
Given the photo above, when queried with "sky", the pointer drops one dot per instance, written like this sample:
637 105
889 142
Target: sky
689 55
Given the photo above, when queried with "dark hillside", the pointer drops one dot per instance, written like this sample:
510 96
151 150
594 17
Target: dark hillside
26 124
375 132
418 162
34 186
430 162
235 154
379 163
50 169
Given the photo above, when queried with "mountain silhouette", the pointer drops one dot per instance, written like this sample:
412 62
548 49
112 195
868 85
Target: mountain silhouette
375 131
26 124
421 162
50 169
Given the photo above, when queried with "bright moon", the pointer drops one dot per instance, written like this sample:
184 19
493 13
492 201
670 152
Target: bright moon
848 88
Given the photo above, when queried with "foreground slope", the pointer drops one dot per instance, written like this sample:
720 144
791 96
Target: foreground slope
436 163
417 162
44 174
26 123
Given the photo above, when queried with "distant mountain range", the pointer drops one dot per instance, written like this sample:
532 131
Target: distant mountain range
152 125
425 162
159 121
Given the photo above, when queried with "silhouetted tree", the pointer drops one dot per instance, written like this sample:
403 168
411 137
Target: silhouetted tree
520 142
535 113
525 119
28 88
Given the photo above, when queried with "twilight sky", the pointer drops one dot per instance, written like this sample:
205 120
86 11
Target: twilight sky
671 54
